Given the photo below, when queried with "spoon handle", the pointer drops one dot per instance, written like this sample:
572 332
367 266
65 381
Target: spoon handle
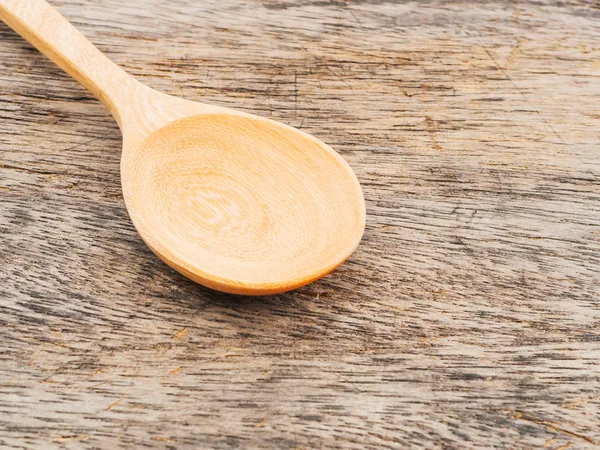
53 35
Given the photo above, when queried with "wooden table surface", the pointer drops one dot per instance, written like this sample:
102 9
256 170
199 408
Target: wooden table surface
469 317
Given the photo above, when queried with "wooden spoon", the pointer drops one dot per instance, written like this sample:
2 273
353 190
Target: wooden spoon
236 202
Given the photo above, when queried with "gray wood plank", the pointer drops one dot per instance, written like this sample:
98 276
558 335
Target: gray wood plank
467 318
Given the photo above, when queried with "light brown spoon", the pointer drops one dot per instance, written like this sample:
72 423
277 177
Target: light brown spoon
236 202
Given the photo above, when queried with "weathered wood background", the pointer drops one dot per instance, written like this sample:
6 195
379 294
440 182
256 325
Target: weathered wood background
468 317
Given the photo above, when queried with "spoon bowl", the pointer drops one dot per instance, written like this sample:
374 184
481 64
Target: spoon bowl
242 204
236 202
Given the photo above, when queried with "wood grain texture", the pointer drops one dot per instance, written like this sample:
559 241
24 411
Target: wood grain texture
469 315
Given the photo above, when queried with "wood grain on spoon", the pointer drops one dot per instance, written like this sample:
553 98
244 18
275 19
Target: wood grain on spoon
236 202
